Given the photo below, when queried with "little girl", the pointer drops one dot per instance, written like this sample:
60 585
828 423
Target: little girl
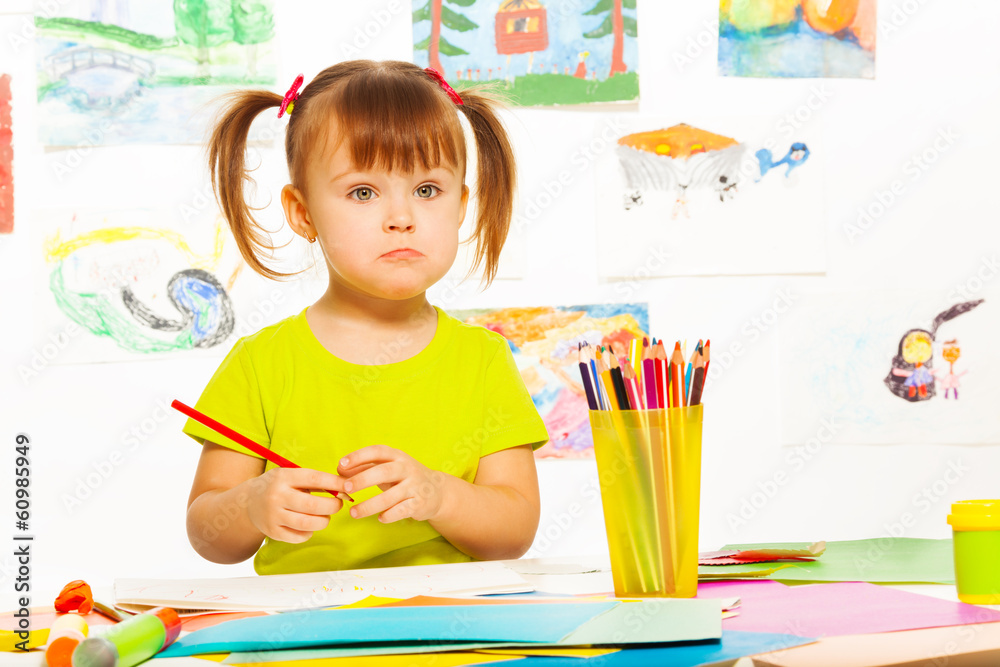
423 421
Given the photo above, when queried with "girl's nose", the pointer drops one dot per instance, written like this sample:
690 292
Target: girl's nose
399 217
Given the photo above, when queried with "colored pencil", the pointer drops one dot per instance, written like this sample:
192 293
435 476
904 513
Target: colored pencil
649 380
698 384
260 450
619 383
631 387
585 375
593 373
607 383
659 367
708 357
677 359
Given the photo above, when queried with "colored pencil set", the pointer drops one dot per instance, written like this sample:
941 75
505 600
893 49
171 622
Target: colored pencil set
644 377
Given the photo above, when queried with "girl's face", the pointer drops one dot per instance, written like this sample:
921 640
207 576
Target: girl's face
385 235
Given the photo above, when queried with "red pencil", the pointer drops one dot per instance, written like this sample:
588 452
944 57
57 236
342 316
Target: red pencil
222 429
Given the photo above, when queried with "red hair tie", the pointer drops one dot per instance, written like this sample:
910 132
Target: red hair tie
434 74
288 103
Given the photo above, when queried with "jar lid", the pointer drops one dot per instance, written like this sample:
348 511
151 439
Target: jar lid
975 515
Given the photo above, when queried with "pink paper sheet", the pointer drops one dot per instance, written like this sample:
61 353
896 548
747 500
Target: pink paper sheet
827 610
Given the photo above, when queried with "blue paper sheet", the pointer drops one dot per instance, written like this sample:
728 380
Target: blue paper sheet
499 623
734 644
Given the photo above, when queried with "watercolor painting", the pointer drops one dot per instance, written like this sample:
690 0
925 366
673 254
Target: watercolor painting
913 376
6 158
758 198
121 72
538 53
890 367
137 287
544 341
797 38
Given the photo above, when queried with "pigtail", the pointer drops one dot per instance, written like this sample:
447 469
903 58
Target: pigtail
496 178
227 162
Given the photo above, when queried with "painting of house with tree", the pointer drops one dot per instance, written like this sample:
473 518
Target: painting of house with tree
118 72
539 52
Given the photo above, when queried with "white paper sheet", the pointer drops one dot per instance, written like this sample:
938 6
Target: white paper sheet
837 350
319 589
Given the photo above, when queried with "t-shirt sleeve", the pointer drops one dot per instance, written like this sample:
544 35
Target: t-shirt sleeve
511 419
232 397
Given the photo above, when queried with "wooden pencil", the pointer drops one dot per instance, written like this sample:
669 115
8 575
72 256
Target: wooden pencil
698 384
677 360
618 382
585 376
649 380
631 387
606 382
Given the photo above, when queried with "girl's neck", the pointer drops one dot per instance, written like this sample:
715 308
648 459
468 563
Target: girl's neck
350 307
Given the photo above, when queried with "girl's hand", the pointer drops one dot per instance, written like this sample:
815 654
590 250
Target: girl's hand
282 508
409 488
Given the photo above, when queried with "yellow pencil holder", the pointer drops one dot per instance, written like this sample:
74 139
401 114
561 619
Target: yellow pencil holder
649 468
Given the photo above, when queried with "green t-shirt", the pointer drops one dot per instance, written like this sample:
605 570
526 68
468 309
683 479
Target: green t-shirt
456 401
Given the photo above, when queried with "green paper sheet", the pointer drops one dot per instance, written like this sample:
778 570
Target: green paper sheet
647 621
878 560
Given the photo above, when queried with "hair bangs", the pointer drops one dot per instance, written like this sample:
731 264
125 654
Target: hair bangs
399 124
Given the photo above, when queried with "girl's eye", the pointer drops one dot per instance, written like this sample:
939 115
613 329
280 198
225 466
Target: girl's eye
427 191
363 194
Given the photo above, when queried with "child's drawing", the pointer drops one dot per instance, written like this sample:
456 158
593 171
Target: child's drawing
139 289
797 38
949 381
755 197
912 376
130 72
682 157
544 341
539 53
834 350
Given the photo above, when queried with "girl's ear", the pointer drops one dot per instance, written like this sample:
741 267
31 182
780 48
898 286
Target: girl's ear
464 205
296 212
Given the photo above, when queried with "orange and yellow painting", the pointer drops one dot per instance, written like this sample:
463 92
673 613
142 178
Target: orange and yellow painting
544 341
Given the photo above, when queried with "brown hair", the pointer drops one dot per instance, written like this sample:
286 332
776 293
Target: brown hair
393 115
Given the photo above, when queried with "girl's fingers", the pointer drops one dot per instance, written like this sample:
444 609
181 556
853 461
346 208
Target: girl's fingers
379 503
403 510
308 479
303 502
382 474
285 533
303 523
370 454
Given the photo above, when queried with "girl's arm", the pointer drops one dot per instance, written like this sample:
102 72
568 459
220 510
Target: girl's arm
493 518
233 506
497 516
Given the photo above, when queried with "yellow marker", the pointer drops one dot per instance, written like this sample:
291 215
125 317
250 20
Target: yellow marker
68 631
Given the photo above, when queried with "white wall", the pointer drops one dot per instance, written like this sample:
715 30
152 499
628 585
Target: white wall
937 69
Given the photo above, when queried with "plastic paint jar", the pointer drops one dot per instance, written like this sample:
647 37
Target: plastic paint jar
975 528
